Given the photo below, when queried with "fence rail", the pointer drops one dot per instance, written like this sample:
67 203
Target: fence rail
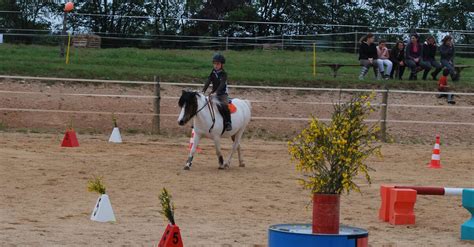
348 41
383 120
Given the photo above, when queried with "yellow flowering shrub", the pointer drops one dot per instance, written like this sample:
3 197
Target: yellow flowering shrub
167 207
330 156
96 184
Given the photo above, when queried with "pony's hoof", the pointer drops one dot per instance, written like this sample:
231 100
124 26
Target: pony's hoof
188 166
242 164
223 167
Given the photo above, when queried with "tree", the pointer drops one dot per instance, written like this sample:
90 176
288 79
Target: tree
25 15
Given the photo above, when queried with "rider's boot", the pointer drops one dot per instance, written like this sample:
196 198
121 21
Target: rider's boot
227 121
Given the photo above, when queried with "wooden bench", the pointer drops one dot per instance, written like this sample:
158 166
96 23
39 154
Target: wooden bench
336 66
460 67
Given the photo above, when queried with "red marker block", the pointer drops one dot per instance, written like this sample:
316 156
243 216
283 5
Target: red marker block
70 139
171 237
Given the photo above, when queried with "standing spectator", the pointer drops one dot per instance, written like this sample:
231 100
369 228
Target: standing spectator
367 55
446 51
428 60
383 59
397 56
413 55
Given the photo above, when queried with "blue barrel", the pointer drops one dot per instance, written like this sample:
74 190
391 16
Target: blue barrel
289 235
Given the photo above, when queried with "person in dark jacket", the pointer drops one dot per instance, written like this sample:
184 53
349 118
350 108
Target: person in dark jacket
397 56
367 55
428 60
446 51
218 79
413 55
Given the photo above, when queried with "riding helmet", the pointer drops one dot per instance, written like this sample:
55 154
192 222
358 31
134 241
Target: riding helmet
218 58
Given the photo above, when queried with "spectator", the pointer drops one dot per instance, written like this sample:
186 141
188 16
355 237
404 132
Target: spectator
413 55
383 59
428 58
446 51
367 55
397 56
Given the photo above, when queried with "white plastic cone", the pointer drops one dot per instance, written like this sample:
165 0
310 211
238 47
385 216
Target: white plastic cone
115 136
103 210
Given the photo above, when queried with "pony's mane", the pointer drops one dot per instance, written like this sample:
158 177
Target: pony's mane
188 97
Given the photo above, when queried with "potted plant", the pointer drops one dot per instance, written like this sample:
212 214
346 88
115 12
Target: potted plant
330 156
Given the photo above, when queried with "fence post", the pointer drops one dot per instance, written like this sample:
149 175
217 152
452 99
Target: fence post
63 35
226 43
355 42
282 42
156 106
383 116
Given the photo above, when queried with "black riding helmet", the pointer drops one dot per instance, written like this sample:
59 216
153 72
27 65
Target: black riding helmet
218 58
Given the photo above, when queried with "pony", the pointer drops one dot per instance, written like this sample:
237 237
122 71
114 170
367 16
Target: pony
202 110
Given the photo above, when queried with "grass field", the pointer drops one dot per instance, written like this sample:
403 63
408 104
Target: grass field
256 67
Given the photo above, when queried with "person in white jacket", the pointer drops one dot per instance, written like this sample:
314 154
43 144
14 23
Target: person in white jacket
383 60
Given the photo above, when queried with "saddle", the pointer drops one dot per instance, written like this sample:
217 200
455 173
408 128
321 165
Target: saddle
232 107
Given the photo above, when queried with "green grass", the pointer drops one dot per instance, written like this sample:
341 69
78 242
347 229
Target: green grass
253 67
3 126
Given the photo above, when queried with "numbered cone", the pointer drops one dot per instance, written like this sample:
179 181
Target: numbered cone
103 210
115 137
171 237
70 139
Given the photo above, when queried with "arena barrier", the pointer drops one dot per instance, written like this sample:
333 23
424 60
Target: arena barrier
398 202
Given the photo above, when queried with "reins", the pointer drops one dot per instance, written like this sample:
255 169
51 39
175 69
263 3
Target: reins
211 110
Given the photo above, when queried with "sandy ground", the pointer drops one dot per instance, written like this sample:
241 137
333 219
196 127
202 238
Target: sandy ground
44 201
271 103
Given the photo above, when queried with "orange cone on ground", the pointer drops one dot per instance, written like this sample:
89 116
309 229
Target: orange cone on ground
70 139
191 142
435 157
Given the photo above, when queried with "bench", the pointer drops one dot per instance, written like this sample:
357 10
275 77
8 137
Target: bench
460 67
336 66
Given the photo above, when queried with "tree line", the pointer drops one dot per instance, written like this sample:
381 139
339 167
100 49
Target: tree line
141 18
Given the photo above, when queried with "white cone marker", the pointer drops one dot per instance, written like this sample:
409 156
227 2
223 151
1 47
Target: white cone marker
103 211
115 136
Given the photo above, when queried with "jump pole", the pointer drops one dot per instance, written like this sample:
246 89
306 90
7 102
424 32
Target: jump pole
434 191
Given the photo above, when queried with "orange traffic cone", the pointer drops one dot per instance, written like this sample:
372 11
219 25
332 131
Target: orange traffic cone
70 139
191 143
435 157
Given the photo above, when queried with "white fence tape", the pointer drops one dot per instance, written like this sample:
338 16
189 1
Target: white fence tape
253 118
231 86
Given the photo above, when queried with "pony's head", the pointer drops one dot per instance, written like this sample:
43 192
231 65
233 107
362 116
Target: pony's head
188 104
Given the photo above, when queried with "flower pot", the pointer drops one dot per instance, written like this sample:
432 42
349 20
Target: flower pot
326 213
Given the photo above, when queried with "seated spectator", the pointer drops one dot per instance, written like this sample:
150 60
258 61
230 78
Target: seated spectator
413 55
367 55
446 51
397 56
428 59
382 60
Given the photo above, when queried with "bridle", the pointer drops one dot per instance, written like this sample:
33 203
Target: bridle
211 110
